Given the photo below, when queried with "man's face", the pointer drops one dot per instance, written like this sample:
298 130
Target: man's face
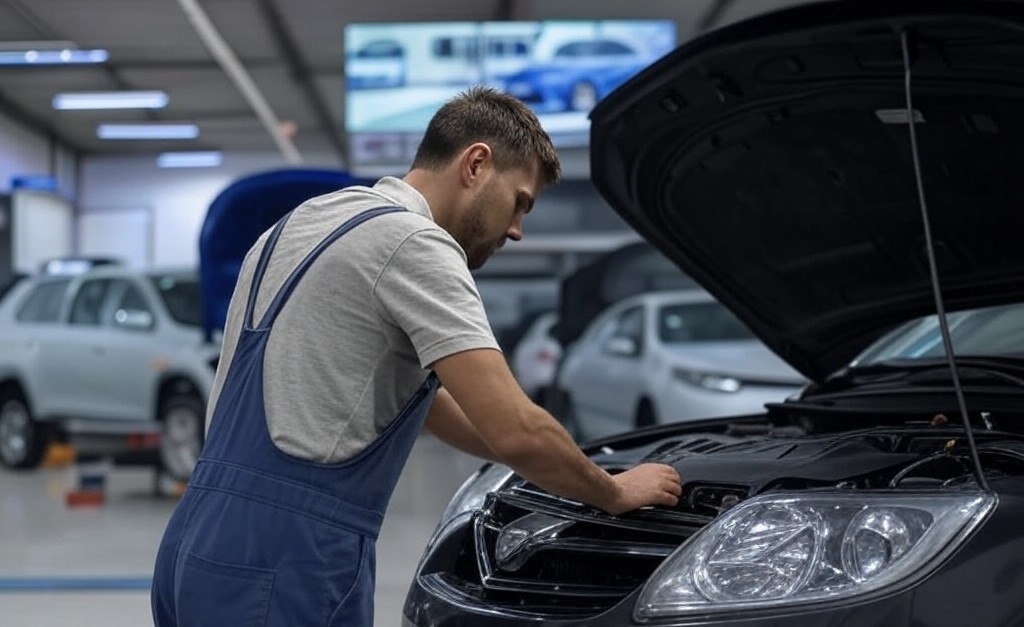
496 213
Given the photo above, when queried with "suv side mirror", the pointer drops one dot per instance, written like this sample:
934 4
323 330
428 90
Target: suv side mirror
138 319
622 347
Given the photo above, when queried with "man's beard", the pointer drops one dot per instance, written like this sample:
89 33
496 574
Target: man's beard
473 234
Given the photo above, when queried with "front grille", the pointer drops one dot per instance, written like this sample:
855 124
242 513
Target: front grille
584 569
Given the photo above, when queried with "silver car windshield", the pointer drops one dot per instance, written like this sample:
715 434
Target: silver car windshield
180 294
986 331
699 322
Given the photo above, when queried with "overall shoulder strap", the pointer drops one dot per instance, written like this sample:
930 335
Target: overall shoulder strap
293 278
261 268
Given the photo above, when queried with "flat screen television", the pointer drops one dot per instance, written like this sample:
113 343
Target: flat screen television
398 74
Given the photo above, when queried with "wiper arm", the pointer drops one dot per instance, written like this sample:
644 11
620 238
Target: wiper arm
903 371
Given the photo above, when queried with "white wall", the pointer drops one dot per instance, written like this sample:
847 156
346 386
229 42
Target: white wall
24 152
42 229
21 152
176 198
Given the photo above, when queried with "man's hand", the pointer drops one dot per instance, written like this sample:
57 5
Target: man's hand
646 484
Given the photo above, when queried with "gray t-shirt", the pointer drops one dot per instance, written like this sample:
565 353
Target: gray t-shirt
352 343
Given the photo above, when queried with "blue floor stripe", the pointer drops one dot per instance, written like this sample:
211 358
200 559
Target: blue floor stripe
31 584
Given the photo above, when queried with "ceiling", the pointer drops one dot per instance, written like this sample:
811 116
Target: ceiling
292 50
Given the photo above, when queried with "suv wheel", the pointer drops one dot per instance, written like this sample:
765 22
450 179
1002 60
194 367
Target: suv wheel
22 440
182 419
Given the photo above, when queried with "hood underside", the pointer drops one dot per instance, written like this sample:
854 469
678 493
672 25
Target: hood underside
771 161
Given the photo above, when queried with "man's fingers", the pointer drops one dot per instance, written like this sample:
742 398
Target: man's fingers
669 484
667 498
649 484
675 487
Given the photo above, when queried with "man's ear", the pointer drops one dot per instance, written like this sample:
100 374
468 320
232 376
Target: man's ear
474 162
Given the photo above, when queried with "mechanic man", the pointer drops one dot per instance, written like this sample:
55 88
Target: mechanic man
347 317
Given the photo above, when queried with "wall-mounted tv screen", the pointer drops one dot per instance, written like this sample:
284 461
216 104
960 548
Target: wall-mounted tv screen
398 74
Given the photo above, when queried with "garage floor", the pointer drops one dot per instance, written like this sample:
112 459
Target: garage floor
91 565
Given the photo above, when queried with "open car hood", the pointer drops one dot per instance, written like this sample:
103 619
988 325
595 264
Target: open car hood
771 160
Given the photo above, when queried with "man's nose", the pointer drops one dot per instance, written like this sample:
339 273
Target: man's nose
515 231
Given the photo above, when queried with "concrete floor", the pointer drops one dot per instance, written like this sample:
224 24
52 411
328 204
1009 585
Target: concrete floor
91 565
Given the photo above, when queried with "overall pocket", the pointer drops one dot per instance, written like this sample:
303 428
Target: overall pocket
214 594
355 609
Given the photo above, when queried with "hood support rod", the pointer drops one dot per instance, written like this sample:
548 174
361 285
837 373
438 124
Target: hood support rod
947 341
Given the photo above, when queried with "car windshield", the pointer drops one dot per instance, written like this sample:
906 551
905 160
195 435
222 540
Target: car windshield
699 322
987 331
180 294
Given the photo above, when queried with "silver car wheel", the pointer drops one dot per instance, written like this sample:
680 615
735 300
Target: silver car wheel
181 439
15 432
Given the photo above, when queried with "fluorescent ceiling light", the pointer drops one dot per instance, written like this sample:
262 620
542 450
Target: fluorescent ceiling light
38 44
158 130
52 57
111 100
207 159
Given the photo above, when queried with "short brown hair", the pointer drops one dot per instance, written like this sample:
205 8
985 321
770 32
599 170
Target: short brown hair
483 114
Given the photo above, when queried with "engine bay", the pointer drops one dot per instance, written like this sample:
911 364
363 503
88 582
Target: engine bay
729 463
718 476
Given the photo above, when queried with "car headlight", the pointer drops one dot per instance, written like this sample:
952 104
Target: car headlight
471 494
707 380
774 551
467 499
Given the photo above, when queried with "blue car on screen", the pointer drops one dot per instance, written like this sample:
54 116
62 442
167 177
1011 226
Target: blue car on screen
577 76
379 63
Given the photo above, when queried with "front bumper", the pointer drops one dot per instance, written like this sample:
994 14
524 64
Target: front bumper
981 585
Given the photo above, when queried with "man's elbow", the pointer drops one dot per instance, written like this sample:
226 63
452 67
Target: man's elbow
516 446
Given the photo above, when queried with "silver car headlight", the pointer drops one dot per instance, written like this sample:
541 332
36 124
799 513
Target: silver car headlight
708 380
471 494
785 549
467 499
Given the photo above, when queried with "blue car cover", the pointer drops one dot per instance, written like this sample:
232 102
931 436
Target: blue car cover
239 215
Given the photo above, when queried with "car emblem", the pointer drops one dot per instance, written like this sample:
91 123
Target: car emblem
521 538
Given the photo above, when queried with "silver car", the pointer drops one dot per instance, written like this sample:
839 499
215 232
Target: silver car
665 357
110 358
535 358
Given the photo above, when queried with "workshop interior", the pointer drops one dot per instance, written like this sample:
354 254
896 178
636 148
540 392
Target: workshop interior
784 257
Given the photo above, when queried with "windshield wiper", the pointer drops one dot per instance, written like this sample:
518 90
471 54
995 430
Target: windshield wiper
917 371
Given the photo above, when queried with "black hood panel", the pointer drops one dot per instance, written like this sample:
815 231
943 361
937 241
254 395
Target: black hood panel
771 161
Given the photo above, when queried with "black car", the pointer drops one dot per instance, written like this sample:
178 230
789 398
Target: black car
788 164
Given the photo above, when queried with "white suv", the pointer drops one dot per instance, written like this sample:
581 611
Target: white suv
110 358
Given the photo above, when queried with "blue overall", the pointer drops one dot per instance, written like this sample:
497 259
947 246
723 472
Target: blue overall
262 538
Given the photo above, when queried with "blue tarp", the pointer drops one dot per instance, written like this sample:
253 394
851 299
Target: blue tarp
239 215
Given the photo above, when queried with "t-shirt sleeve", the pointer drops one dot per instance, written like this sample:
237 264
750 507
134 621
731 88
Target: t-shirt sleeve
426 289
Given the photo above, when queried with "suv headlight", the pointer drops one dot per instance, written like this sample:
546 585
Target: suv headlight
779 550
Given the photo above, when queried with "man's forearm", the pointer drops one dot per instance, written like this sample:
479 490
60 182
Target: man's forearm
545 454
449 423
523 436
542 453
